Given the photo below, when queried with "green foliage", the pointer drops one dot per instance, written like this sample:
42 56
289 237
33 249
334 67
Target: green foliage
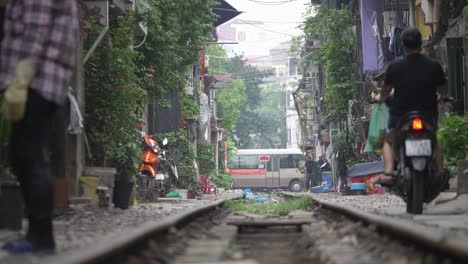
271 114
230 99
190 106
252 114
114 100
230 96
343 146
336 53
453 137
247 124
280 208
183 155
221 179
177 31
231 148
205 157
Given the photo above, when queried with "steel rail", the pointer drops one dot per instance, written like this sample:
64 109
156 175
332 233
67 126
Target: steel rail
115 244
433 238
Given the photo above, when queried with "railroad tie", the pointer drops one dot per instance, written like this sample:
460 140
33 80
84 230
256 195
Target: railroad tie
242 225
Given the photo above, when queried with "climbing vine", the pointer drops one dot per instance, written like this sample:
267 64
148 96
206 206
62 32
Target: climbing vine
332 28
177 31
114 99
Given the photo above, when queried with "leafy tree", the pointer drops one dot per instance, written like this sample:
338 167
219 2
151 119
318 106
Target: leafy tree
271 113
247 123
230 98
239 99
177 31
336 53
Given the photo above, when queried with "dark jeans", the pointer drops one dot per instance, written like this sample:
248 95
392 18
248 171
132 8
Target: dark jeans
30 163
311 180
308 178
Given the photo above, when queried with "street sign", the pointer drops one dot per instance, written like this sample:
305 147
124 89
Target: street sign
264 158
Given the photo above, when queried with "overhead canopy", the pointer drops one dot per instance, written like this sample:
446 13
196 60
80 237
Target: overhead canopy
225 11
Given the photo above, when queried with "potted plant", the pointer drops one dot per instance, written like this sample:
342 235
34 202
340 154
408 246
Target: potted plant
11 200
126 160
114 105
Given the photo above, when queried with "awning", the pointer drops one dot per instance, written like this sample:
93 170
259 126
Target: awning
364 169
225 11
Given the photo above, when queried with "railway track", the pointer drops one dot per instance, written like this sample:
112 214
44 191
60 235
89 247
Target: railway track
329 234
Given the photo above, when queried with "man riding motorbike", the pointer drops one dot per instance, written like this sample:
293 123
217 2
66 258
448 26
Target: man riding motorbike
418 83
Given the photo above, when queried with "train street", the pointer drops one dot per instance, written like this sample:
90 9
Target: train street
233 131
175 231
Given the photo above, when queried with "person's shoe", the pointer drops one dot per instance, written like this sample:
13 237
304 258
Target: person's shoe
24 246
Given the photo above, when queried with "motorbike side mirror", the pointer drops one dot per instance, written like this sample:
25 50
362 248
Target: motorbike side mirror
164 142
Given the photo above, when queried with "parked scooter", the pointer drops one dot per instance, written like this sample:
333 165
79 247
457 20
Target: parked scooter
156 173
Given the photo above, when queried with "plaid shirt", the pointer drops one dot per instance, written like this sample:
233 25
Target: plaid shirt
46 33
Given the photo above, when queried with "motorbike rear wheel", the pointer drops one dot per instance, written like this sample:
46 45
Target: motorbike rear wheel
415 195
147 187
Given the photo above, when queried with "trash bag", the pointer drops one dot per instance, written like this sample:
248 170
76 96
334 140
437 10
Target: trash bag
246 192
173 194
377 128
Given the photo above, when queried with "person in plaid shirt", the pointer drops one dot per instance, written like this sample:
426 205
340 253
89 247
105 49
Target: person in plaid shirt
37 58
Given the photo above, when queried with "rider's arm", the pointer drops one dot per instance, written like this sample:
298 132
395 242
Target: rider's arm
385 92
388 83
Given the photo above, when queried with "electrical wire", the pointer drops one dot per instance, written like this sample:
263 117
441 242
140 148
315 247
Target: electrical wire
271 3
265 29
266 56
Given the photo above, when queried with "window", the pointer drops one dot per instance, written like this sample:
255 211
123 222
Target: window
233 163
245 162
291 161
241 36
248 162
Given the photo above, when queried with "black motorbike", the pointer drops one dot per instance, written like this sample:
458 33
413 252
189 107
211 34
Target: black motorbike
413 148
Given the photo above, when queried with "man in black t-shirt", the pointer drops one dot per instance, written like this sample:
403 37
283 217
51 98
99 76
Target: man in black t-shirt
418 83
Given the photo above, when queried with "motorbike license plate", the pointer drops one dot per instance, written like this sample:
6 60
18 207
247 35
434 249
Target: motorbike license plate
417 148
160 176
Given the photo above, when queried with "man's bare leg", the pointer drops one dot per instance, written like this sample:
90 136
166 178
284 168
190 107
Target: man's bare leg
388 158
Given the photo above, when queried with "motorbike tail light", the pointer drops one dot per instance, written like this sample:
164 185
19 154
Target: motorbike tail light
417 124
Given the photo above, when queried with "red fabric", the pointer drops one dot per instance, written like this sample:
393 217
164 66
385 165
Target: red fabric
207 186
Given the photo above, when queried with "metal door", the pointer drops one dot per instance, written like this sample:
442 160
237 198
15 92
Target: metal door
455 72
